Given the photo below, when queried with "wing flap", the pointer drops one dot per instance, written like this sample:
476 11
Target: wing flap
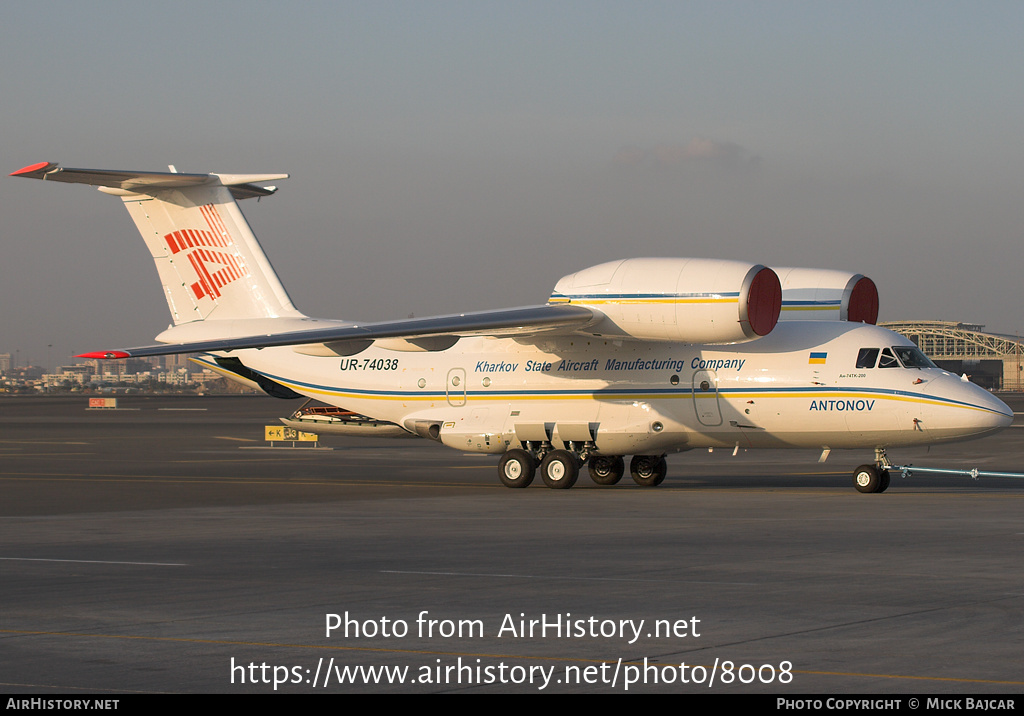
525 321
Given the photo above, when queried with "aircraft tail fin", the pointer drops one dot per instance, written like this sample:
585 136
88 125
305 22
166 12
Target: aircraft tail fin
209 261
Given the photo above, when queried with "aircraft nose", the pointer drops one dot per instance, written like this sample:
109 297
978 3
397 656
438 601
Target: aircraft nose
985 414
994 413
1002 413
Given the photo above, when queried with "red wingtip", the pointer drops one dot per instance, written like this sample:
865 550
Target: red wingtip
33 168
105 355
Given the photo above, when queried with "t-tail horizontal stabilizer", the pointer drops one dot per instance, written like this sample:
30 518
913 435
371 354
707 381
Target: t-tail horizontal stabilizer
210 263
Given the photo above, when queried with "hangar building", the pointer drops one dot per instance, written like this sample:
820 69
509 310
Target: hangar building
991 360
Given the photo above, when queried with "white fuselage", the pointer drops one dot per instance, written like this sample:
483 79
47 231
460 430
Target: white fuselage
637 356
797 387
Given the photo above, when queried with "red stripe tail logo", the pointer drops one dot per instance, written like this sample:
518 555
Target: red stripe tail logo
212 254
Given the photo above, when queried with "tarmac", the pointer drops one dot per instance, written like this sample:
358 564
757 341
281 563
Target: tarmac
163 548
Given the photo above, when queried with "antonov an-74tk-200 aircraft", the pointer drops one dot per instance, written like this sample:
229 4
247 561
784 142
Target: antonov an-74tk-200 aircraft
636 357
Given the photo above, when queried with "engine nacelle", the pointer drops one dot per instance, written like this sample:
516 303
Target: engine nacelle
686 300
825 295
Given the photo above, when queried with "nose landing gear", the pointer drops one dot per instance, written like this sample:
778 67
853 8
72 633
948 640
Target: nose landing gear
873 478
868 478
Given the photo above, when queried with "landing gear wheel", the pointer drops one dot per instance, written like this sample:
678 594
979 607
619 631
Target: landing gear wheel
559 469
868 478
648 470
517 468
606 469
884 475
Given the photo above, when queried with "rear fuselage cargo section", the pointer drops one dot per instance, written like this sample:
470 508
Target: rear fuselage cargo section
232 368
632 397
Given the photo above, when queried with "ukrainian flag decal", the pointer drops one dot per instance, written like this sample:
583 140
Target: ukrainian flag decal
817 358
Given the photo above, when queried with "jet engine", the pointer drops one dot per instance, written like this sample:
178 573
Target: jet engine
826 295
686 300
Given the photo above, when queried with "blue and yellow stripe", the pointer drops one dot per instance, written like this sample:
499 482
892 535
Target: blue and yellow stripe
599 394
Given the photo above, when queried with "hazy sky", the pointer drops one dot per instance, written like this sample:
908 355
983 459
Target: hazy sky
453 156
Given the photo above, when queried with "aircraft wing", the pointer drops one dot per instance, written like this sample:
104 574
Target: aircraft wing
526 321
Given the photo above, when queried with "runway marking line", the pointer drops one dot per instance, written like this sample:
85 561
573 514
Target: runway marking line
427 652
42 442
581 579
192 480
54 455
81 688
223 462
92 561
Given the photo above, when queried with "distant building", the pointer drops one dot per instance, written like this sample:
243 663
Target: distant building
990 360
26 373
177 361
5 363
77 370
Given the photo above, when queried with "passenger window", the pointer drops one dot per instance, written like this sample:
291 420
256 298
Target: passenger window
867 357
888 360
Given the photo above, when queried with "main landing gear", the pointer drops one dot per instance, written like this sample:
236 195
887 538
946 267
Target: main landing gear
517 468
873 478
559 469
606 469
648 470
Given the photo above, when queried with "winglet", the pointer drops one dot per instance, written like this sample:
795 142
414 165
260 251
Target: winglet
105 355
36 171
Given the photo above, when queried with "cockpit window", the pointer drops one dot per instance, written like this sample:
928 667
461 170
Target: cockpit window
912 357
888 360
867 357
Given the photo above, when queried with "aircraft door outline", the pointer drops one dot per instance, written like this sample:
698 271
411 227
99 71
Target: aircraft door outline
455 387
705 398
